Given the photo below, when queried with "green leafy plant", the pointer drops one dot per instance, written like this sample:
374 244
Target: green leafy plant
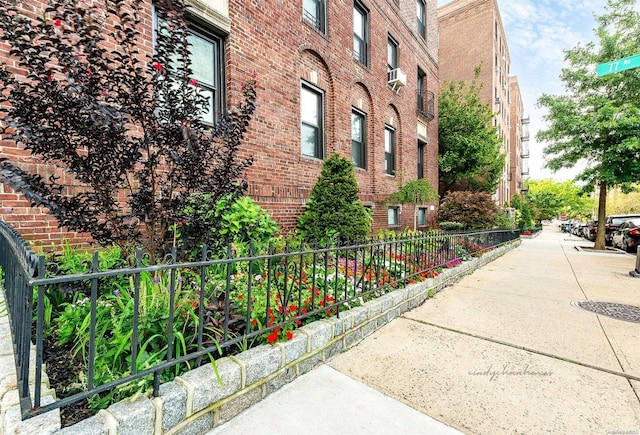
334 208
219 222
114 331
414 192
504 220
451 226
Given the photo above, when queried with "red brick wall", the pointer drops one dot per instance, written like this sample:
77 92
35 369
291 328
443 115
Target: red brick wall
269 38
272 39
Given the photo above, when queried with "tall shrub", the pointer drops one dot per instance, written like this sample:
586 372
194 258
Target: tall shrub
334 209
121 131
475 210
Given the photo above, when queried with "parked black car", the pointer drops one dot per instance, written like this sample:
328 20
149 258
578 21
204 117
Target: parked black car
627 235
614 221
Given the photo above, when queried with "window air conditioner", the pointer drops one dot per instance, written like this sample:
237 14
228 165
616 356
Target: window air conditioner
397 78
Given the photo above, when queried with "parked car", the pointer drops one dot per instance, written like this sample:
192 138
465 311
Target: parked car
578 229
591 230
613 222
627 235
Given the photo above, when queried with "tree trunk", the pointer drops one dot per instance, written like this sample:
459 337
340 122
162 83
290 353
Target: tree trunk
602 217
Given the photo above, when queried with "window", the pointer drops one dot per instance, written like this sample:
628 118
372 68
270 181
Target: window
358 137
392 216
421 147
312 118
207 66
360 33
422 217
389 150
392 54
422 18
313 11
420 90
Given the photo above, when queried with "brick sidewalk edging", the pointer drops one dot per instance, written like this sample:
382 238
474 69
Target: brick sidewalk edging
195 402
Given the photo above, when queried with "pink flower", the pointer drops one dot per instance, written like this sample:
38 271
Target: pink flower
193 82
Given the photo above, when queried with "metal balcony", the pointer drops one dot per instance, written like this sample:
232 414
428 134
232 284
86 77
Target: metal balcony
426 104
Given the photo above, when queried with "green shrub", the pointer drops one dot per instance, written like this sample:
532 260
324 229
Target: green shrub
451 226
504 220
237 220
475 210
334 210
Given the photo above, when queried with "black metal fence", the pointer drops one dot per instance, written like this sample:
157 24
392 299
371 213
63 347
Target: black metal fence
137 326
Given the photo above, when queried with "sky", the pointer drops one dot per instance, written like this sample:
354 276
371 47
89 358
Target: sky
537 33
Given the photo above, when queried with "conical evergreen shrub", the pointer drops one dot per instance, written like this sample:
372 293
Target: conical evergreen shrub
334 211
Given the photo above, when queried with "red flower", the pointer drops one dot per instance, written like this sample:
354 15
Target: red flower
289 335
240 297
272 337
57 22
193 82
277 330
50 78
254 322
292 308
157 66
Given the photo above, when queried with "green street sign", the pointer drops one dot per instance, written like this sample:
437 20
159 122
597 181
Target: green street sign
618 65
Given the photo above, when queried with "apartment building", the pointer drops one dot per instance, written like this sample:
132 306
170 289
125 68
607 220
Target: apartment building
519 155
472 35
359 78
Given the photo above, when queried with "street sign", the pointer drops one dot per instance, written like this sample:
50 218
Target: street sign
618 65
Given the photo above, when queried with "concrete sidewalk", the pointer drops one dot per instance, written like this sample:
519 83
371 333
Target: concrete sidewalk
502 351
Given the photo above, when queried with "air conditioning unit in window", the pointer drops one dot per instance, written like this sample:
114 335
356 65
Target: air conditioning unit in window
396 78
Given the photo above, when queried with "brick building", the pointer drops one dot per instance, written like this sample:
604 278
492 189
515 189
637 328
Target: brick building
358 78
472 35
519 154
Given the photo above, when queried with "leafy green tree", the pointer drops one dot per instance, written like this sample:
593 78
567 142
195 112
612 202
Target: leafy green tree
334 210
524 212
414 192
621 202
469 146
551 198
597 120
475 210
121 132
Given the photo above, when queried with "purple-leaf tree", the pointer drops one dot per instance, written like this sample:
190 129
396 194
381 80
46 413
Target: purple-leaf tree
119 129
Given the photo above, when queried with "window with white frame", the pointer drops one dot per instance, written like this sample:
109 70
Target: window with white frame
392 54
389 150
312 121
392 216
360 33
206 50
358 138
